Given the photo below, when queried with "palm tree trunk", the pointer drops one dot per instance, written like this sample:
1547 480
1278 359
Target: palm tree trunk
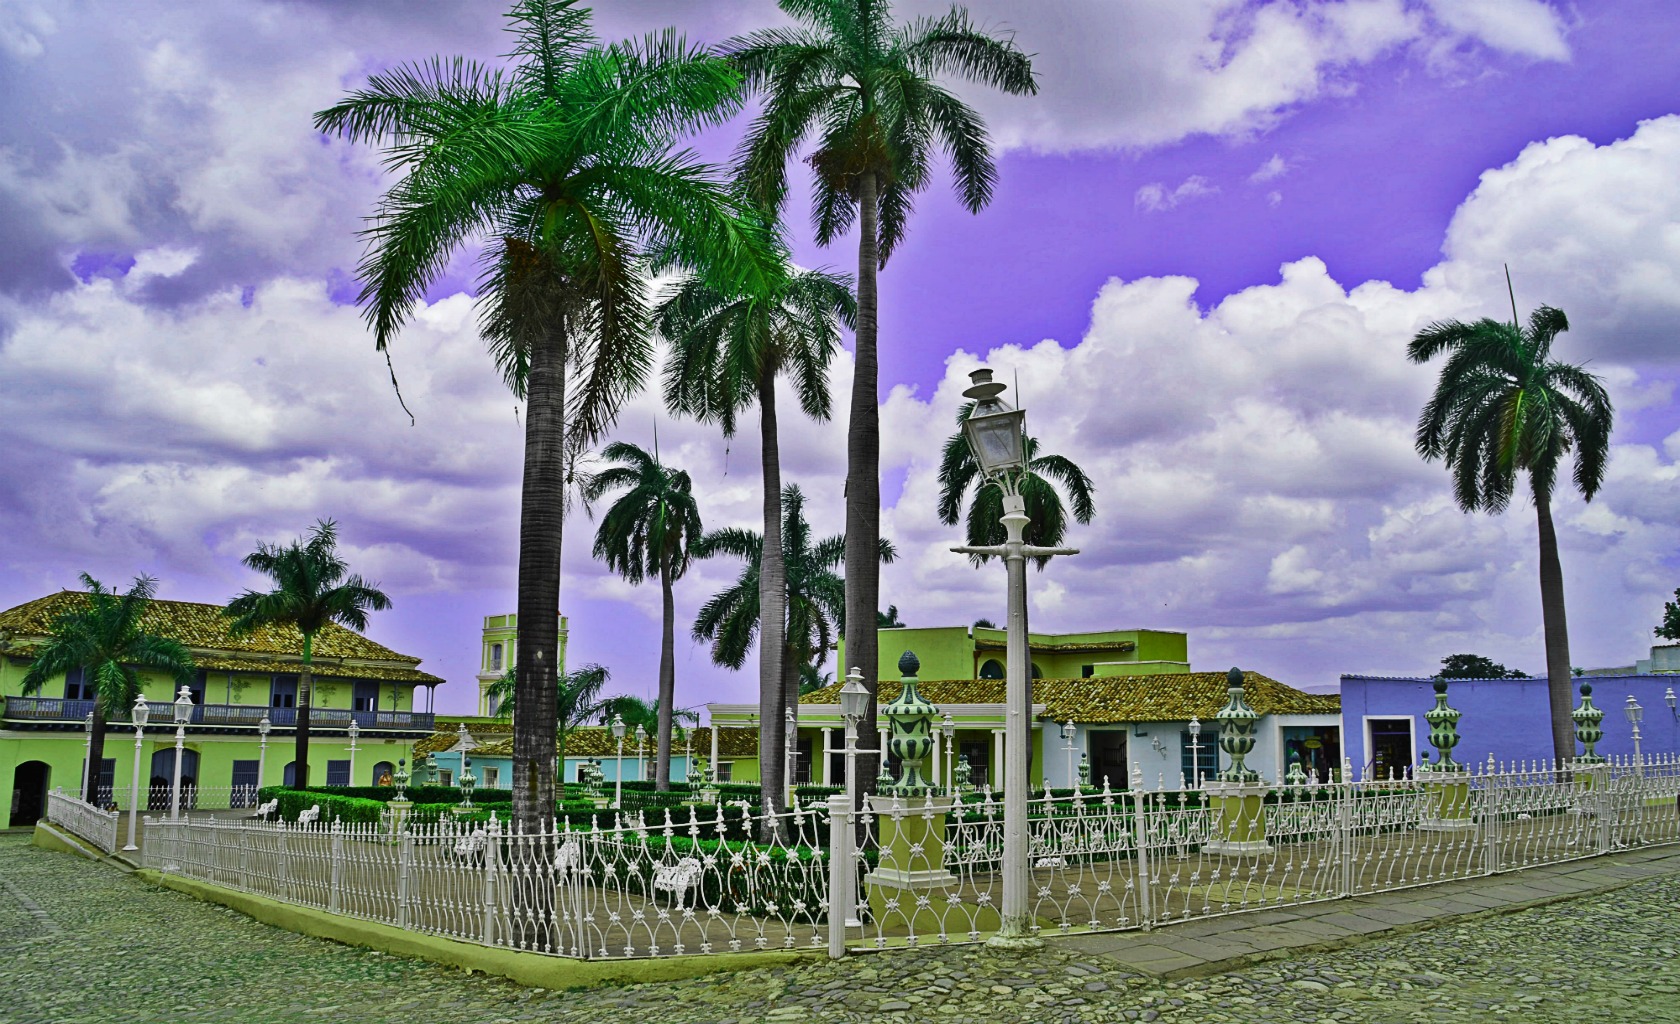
772 603
667 679
790 693
305 697
95 754
1559 682
540 523
863 484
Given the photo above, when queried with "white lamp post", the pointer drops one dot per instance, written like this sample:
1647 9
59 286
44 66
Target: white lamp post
1635 714
1067 748
948 729
87 761
139 715
997 437
854 703
618 771
355 731
791 743
1195 752
641 739
1672 702
183 715
264 727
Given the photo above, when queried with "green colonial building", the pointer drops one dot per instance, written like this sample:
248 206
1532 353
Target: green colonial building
241 681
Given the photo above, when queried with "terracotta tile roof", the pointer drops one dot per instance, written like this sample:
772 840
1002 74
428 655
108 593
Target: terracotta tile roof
1170 697
203 627
594 741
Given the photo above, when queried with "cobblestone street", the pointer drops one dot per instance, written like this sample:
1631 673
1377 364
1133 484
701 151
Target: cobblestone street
85 943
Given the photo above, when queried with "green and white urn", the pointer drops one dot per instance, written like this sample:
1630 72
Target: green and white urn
910 720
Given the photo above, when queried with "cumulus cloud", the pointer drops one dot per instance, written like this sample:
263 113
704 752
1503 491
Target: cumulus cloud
1155 196
1274 167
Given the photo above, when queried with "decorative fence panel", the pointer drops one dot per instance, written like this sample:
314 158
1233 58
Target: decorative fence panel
85 820
905 871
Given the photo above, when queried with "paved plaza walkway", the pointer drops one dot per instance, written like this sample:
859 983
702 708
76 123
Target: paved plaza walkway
84 942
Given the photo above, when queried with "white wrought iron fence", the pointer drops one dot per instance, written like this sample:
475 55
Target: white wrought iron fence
926 869
85 820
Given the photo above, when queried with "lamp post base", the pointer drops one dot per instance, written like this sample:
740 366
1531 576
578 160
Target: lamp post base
1016 941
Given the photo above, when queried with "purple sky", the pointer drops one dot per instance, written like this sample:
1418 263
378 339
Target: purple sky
180 376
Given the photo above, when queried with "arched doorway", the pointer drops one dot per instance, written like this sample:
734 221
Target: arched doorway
992 669
383 771
29 792
163 778
289 777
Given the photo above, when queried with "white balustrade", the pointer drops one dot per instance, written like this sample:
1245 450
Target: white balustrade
85 820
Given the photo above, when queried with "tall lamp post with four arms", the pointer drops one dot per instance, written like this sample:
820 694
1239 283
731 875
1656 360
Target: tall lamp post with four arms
141 712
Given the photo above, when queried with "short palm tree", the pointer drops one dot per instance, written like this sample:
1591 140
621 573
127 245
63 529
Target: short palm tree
647 533
104 639
815 602
637 711
727 349
865 86
1504 405
958 473
312 588
577 698
567 167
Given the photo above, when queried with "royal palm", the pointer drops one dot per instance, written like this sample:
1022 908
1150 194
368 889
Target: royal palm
646 534
565 167
958 473
103 637
864 86
312 588
727 349
815 602
1502 406
577 699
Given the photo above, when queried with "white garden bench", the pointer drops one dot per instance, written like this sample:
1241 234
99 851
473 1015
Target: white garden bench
569 858
677 879
265 809
471 846
310 816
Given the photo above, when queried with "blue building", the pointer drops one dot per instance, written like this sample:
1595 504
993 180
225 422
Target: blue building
1383 728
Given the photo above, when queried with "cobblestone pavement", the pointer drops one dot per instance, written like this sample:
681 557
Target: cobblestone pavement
84 943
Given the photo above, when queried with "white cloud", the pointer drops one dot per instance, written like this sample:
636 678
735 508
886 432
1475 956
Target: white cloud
1274 167
1156 197
1527 27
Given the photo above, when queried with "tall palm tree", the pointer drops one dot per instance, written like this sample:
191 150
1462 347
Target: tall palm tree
648 533
958 472
577 698
103 638
865 85
815 601
727 348
1501 405
566 166
312 588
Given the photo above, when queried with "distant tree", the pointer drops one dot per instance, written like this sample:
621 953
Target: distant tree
888 619
812 678
1502 405
645 713
102 637
984 624
648 533
1474 666
577 699
1670 628
311 591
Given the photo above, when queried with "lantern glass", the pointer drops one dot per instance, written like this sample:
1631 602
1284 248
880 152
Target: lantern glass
355 730
618 727
1635 713
948 726
1195 728
995 439
1669 699
142 711
183 706
1067 731
854 699
265 726
641 734
87 723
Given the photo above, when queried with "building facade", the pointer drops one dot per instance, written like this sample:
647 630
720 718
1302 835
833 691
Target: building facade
241 680
977 652
498 652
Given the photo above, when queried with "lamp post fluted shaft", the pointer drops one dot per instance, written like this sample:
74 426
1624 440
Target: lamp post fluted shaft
139 719
175 784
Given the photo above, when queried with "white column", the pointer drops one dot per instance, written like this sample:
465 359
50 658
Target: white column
992 772
827 761
938 776
714 765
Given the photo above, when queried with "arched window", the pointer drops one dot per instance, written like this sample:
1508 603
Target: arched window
1036 674
384 774
289 778
992 669
495 657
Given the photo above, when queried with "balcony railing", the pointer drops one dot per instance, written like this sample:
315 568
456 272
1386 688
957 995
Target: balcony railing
58 709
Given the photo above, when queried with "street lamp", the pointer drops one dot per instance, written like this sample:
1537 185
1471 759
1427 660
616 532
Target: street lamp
1635 714
641 738
1067 748
355 731
948 729
854 704
618 771
1672 702
87 761
997 438
183 715
264 727
1195 752
141 711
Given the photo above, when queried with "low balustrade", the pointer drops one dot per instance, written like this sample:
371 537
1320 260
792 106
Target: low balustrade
85 820
58 709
